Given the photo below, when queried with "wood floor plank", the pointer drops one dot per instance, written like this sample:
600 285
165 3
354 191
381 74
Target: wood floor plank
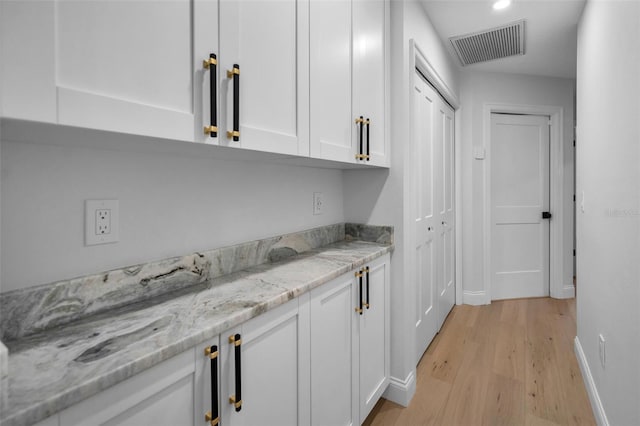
508 363
509 358
504 401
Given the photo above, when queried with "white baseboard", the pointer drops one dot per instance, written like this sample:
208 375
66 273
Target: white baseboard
596 403
401 391
474 297
568 292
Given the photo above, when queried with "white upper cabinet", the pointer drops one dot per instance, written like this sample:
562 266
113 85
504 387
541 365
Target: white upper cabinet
331 119
288 76
268 40
349 71
125 66
369 78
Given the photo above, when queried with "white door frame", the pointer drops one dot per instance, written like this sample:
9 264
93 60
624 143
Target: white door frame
556 193
418 60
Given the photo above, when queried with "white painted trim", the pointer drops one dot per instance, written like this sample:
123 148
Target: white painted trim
420 61
568 292
589 383
475 298
401 391
556 196
458 202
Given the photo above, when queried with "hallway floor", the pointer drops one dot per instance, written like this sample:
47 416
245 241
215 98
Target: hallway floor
508 363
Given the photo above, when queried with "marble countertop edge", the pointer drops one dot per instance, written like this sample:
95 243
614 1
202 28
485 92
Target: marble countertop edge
76 393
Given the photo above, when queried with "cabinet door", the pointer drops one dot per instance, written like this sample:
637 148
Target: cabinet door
269 41
373 330
332 123
332 361
27 60
118 65
270 362
161 395
369 74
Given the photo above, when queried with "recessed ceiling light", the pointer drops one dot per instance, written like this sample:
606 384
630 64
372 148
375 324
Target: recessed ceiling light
501 4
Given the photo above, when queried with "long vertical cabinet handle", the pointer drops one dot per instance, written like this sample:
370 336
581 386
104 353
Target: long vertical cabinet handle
234 73
236 399
211 64
366 271
359 277
367 122
360 123
213 416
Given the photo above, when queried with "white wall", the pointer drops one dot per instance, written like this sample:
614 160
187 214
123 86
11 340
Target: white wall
608 232
381 196
170 204
476 89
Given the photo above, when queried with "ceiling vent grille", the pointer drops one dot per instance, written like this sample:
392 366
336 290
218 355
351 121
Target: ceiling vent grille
490 44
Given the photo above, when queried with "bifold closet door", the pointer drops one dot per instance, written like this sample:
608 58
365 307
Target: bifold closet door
424 107
445 211
433 146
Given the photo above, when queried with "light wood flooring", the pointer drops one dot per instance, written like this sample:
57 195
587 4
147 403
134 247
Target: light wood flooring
508 363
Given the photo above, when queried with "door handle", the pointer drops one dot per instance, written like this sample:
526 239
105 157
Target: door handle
213 416
359 276
234 73
360 122
366 303
212 65
236 399
546 215
367 122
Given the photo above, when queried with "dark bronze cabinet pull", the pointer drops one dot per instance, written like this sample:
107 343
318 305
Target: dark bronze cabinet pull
359 276
236 399
366 270
360 122
367 123
213 416
235 75
212 65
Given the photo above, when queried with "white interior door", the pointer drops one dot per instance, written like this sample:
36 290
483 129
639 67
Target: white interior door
445 221
520 193
424 105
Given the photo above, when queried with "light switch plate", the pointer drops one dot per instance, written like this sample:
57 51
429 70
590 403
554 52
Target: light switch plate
478 152
101 220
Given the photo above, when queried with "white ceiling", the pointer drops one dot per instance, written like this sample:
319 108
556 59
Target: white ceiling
550 32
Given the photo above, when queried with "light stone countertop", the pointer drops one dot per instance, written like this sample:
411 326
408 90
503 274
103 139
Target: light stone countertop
53 370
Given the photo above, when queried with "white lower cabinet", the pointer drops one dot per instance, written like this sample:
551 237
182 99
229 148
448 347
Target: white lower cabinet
350 345
161 395
320 359
262 370
332 345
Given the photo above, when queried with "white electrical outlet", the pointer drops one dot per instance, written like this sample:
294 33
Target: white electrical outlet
603 352
101 222
318 203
